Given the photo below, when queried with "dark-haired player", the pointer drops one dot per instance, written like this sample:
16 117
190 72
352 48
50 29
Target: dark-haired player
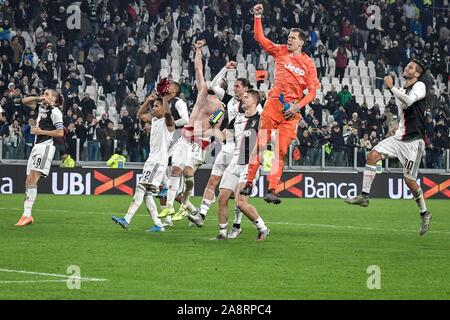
407 144
190 150
162 128
49 125
233 108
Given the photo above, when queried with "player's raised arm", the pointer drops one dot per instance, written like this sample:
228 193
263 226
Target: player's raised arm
31 102
142 112
215 83
198 63
267 45
170 123
417 92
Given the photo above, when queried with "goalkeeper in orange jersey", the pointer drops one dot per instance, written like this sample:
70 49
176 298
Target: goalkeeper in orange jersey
294 72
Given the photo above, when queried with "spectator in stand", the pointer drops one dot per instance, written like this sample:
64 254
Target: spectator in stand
132 104
380 73
321 57
342 56
395 57
107 142
183 23
150 78
145 142
121 137
216 63
305 145
94 134
337 144
351 143
344 97
134 143
88 105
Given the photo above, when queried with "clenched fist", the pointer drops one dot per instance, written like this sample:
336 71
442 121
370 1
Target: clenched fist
199 44
389 82
231 65
258 10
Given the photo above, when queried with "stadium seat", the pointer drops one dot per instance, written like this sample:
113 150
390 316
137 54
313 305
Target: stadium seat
359 99
335 81
346 81
164 63
356 89
242 74
325 88
377 93
331 62
364 71
365 81
367 90
380 101
370 100
248 58
164 72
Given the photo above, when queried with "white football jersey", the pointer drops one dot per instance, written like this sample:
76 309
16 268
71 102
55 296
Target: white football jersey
160 138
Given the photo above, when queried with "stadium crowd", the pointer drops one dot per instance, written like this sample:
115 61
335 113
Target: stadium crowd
122 41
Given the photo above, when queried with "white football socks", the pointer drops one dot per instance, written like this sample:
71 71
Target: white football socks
204 207
237 215
136 203
30 197
260 225
420 200
152 210
368 177
172 192
223 229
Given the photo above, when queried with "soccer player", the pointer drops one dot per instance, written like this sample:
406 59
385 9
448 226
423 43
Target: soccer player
223 158
190 150
294 72
49 125
163 126
179 110
407 144
244 128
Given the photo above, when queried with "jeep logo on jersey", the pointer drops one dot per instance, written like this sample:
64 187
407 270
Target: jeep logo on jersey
295 69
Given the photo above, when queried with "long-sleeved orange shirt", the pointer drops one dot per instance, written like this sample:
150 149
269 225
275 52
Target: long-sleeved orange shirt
293 74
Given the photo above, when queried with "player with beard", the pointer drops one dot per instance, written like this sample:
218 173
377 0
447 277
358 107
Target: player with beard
49 125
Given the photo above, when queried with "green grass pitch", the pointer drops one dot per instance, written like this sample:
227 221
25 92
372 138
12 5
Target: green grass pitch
317 249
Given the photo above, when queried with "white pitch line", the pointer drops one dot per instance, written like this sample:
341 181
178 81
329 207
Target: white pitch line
39 281
52 275
350 227
269 222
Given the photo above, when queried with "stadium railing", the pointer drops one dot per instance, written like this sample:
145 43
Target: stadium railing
292 163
